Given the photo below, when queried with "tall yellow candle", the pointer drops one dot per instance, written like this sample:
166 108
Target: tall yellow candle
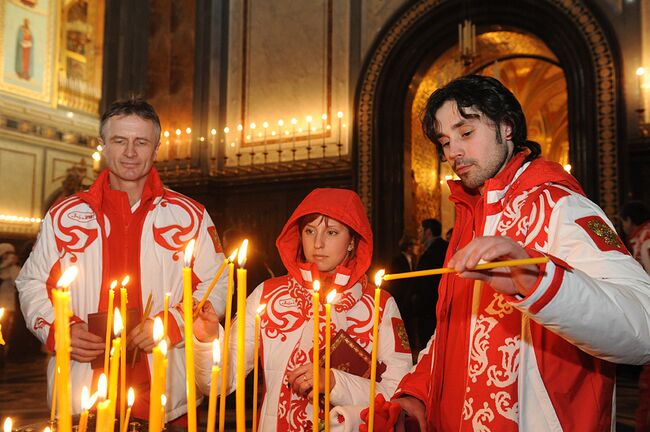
163 404
166 315
109 323
62 340
189 337
256 351
123 307
163 371
226 342
2 312
131 398
156 386
241 339
373 362
103 405
114 368
54 390
315 355
328 347
214 376
83 418
211 286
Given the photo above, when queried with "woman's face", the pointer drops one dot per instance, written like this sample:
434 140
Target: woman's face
326 243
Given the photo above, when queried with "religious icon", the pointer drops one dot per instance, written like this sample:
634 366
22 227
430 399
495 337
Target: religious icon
24 51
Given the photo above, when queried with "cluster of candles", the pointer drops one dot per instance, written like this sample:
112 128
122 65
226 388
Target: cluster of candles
177 144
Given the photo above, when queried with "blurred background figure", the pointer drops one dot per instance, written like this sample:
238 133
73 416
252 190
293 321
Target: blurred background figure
402 289
9 270
426 288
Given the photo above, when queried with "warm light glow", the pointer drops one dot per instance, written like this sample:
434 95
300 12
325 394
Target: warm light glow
99 147
158 330
265 124
69 114
379 277
166 134
253 125
67 277
330 296
8 424
131 397
178 131
96 156
89 403
163 347
240 127
316 286
449 177
328 127
125 281
309 119
280 122
2 312
241 256
85 396
339 114
101 386
114 284
323 116
225 130
47 429
567 167
202 139
233 255
640 71
299 130
260 309
163 400
294 121
189 249
274 133
18 219
188 131
117 323
216 352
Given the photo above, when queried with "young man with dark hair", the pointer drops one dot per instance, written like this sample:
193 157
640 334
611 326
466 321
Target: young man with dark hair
127 223
532 347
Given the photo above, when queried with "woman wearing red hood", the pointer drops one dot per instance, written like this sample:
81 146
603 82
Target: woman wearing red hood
328 238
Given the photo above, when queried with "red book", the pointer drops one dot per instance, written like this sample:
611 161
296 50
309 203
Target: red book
348 356
97 326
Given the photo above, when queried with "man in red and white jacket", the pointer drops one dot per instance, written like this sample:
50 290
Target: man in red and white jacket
127 223
529 348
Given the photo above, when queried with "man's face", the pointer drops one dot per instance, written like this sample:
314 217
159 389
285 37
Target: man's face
470 145
130 148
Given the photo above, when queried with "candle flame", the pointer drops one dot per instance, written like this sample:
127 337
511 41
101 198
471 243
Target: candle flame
309 119
280 122
225 130
178 131
323 116
294 121
101 386
125 281
241 257
90 402
67 277
158 330
2 312
339 114
216 352
117 323
85 396
47 429
114 284
131 397
163 400
330 296
316 286
265 124
8 424
188 131
233 255
379 277
163 347
261 308
640 71
189 249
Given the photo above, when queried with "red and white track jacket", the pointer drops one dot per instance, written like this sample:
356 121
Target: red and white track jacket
541 362
75 232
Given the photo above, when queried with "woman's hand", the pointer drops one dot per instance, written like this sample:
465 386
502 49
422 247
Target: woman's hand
206 325
301 380
506 280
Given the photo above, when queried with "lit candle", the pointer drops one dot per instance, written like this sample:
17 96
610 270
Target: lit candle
213 283
8 425
123 304
226 342
373 362
323 126
83 419
102 406
189 337
57 370
125 425
339 115
213 132
315 354
163 404
61 298
256 350
166 315
293 136
640 73
328 342
188 153
166 152
163 373
109 323
214 376
156 385
2 312
241 340
178 144
114 368
309 119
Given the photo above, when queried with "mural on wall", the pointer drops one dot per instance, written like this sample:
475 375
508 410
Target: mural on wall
27 48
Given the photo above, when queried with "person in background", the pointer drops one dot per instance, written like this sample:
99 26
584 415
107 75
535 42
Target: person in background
9 270
402 289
